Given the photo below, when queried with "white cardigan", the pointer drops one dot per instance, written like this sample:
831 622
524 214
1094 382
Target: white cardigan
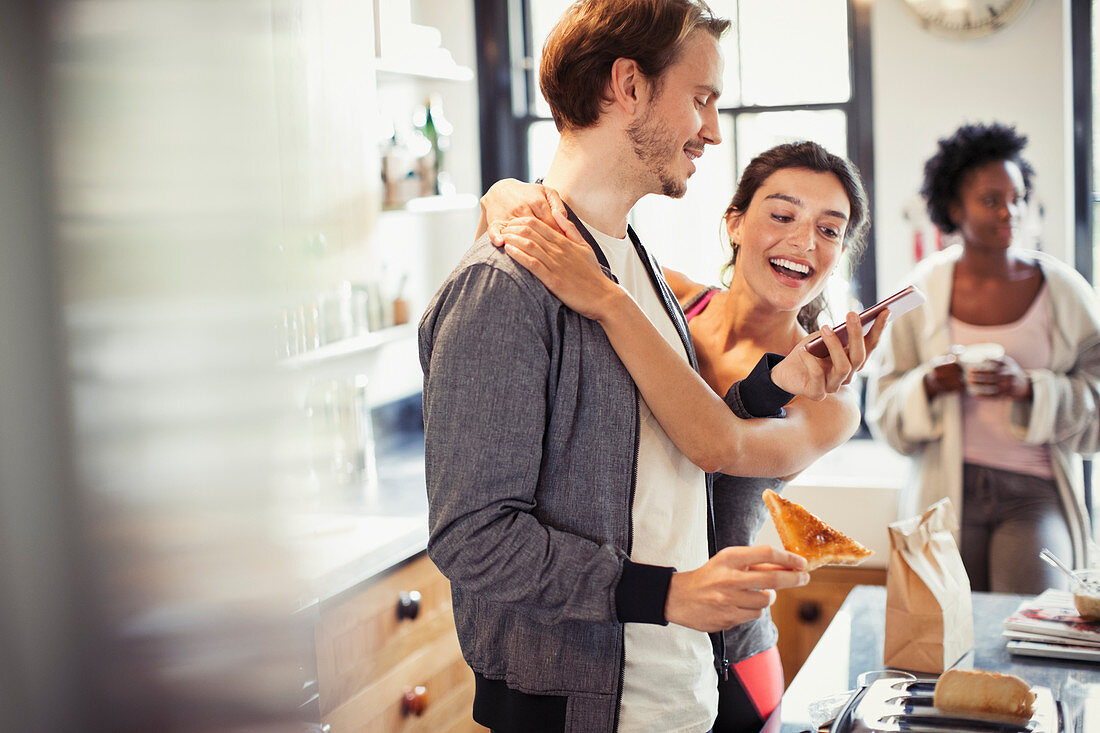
1064 412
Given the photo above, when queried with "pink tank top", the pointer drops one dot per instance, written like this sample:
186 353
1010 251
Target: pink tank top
987 438
699 304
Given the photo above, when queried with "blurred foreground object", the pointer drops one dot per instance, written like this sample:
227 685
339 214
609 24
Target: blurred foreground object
143 587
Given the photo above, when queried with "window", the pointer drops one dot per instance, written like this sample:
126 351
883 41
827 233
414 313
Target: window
783 81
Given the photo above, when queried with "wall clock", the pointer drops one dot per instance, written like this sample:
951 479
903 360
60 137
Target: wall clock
966 18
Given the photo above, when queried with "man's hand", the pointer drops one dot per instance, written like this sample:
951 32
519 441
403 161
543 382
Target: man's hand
733 587
805 375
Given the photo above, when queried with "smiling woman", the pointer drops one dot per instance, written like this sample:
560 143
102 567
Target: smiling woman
798 236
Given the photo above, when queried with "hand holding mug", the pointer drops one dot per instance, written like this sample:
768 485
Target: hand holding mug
989 372
946 374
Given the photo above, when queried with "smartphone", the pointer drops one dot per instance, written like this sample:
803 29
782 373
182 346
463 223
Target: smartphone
899 303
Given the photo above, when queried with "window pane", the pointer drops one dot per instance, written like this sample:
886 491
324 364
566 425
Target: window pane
794 51
758 132
731 74
544 16
542 139
686 234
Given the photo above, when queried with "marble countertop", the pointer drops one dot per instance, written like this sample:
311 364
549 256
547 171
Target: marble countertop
853 644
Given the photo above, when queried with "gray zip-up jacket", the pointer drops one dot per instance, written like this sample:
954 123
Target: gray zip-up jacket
531 432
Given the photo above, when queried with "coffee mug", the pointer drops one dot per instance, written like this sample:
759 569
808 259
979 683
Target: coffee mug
979 357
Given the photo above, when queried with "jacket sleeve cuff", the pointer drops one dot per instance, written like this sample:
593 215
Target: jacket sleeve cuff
641 593
756 395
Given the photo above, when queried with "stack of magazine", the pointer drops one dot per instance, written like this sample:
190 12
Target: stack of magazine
1049 626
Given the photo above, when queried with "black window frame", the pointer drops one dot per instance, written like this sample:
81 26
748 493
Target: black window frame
1084 193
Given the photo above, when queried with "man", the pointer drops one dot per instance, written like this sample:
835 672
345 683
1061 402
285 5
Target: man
559 509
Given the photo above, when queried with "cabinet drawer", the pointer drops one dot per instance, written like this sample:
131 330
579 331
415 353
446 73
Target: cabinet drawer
448 692
361 639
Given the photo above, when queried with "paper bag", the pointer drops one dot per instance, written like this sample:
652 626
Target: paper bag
929 623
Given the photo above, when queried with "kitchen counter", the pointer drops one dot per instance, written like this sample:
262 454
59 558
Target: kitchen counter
343 546
853 644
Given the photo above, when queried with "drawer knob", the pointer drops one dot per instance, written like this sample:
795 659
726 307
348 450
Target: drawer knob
415 701
809 611
408 605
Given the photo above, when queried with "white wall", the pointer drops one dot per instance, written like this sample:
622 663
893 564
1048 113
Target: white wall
925 86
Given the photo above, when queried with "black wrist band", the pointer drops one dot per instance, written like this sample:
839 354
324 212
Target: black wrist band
757 395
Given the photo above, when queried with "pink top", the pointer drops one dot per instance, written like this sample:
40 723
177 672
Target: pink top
700 304
987 438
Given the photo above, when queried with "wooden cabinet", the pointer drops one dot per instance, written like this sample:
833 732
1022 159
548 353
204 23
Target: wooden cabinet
388 657
801 614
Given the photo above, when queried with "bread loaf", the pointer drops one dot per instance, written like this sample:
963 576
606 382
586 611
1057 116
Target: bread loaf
973 691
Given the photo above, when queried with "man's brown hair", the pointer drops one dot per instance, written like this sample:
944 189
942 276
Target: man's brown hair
580 50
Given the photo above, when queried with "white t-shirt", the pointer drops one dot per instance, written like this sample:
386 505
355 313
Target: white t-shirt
669 680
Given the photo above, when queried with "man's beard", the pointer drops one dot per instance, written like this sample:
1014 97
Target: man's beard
650 140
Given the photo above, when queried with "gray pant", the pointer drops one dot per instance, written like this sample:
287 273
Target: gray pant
1007 518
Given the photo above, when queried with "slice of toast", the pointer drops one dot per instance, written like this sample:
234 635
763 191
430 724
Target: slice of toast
975 691
803 533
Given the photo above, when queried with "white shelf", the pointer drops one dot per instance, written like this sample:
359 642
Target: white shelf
424 70
352 347
436 204
388 358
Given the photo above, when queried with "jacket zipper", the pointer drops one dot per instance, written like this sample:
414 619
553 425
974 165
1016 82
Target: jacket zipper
629 549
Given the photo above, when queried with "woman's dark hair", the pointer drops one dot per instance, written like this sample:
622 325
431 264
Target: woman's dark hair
967 148
580 50
810 156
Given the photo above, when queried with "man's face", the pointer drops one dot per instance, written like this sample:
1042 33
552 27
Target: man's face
676 123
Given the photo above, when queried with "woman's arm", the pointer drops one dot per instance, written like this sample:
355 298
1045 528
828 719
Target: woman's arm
1064 408
695 418
815 428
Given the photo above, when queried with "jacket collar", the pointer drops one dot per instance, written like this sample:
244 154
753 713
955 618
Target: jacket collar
668 300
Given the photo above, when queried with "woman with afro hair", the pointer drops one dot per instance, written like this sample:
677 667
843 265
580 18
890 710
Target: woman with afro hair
1004 443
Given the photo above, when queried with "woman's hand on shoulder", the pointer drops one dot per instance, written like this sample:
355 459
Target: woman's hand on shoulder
565 264
511 199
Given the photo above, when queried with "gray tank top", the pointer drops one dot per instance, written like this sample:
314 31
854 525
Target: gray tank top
739 513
